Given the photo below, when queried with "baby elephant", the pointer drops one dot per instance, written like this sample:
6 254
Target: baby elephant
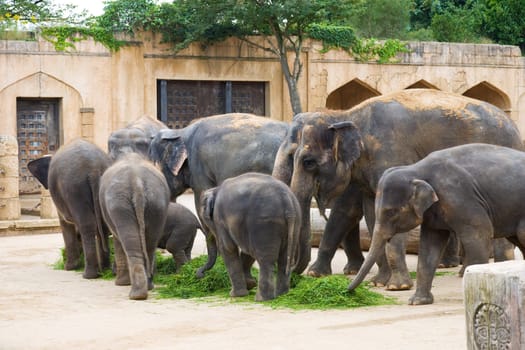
134 198
179 233
474 190
259 216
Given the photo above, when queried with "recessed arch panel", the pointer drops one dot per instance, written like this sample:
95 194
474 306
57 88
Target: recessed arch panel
350 94
487 92
421 84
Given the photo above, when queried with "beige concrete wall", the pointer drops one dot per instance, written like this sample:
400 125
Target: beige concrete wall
101 91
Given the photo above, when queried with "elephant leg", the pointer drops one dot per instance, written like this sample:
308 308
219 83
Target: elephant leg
384 272
73 246
503 250
233 263
431 246
476 247
103 255
89 245
247 263
395 253
139 278
121 264
282 278
342 227
180 258
266 286
450 256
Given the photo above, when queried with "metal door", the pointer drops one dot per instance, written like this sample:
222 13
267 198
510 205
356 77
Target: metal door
181 101
37 133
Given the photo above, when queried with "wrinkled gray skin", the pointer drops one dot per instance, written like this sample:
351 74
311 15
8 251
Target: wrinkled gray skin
254 217
212 149
474 190
179 233
72 176
134 200
135 137
338 158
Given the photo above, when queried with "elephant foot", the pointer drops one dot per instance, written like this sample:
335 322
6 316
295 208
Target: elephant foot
238 292
399 281
123 280
381 279
449 261
138 294
260 297
71 265
421 299
251 283
150 283
90 273
351 267
319 269
461 271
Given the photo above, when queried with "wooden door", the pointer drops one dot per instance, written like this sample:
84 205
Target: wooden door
37 133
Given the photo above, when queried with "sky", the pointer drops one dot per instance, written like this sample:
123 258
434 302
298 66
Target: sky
94 7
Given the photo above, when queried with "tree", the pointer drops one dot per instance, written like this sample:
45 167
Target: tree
381 18
504 21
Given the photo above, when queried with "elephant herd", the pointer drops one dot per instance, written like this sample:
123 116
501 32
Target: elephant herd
419 157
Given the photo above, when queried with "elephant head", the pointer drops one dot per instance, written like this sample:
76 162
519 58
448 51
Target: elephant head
322 149
401 202
39 168
169 151
135 137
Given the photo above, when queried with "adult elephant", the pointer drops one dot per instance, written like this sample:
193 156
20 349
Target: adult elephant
72 176
212 149
338 158
135 137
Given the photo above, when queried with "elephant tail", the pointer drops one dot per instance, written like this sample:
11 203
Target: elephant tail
139 203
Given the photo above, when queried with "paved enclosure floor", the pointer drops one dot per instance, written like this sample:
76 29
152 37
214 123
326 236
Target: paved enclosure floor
42 308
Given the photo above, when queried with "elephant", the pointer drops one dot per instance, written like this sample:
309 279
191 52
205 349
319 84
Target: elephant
179 233
135 137
475 190
212 149
134 199
338 157
72 176
254 217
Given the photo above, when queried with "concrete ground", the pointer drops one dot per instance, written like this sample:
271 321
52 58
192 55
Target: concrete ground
43 308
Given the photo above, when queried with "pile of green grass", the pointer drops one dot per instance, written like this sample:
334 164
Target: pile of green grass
329 292
306 293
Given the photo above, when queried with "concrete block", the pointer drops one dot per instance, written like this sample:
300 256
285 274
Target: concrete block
9 209
494 305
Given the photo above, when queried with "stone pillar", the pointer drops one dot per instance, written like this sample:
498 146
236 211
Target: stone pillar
495 305
9 202
47 207
88 123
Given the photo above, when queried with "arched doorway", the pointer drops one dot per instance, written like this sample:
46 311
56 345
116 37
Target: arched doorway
487 92
350 94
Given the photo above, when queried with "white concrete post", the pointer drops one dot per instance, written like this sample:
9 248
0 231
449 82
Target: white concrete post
495 305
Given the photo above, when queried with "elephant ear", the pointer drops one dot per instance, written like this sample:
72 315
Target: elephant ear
347 142
168 147
39 168
423 196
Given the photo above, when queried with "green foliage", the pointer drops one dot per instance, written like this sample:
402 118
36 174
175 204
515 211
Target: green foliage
333 36
64 38
381 18
384 52
305 293
455 24
504 21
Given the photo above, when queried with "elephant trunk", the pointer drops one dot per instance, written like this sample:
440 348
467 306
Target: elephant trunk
283 165
303 192
376 247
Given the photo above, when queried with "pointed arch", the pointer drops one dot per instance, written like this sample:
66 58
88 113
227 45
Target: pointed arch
350 94
40 85
487 92
421 84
